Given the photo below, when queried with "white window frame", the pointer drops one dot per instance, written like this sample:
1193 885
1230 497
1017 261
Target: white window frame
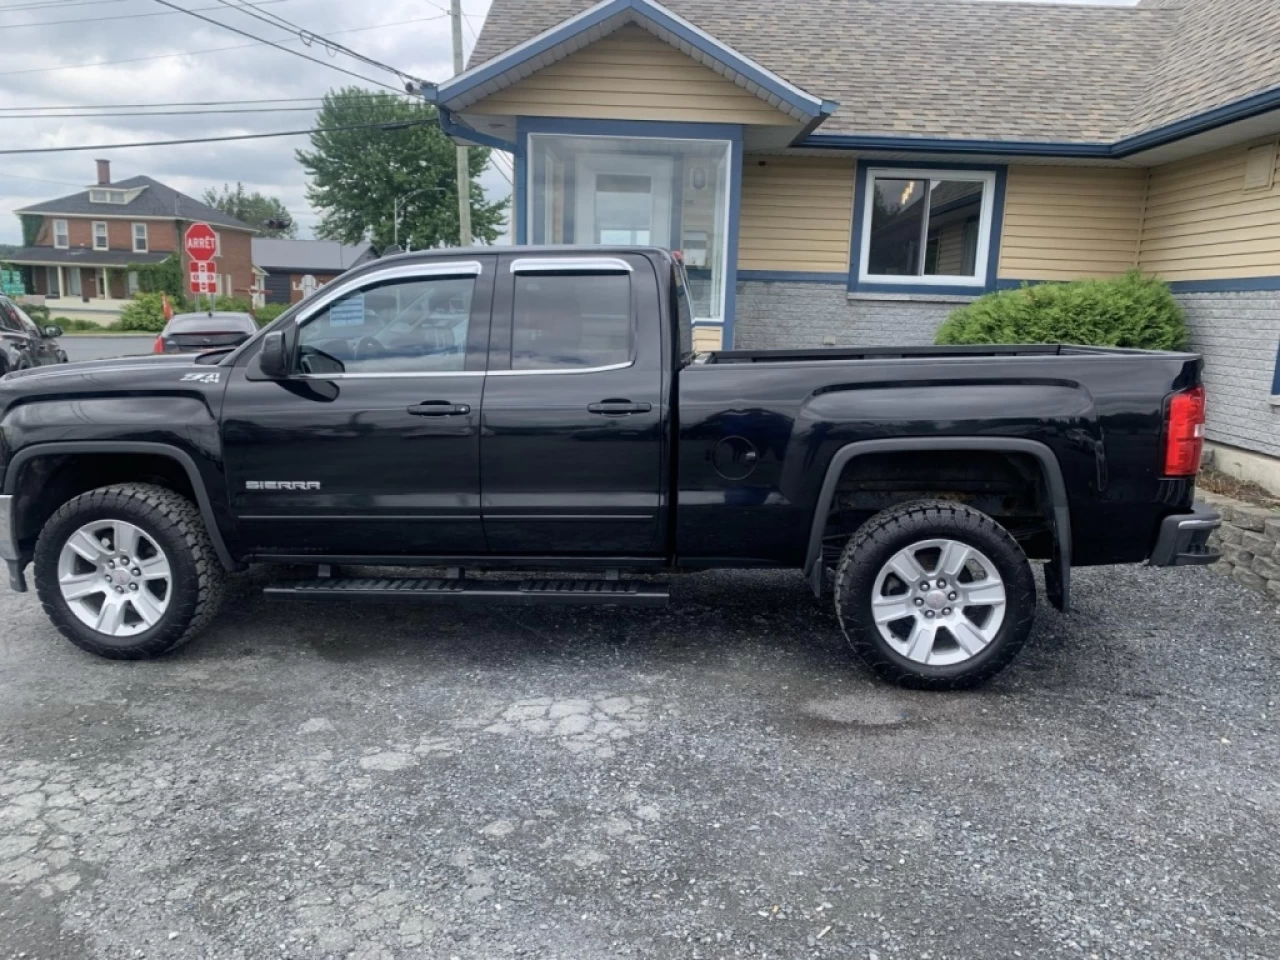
723 215
146 244
106 236
66 235
107 196
981 262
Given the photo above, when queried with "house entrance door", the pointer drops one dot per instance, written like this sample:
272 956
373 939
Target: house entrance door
624 200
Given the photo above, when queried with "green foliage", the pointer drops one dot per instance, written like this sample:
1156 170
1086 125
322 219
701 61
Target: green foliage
163 277
38 313
1128 311
268 312
145 313
31 224
231 304
358 176
76 325
255 209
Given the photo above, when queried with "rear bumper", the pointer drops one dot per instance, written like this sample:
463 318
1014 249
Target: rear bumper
1184 539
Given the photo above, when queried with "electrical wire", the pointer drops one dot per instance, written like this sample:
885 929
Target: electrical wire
45 4
18 176
386 125
310 36
272 43
156 113
192 53
122 16
179 103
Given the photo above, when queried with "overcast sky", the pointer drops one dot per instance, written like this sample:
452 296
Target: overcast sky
52 65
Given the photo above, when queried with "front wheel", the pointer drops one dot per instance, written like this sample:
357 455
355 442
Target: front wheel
128 572
935 595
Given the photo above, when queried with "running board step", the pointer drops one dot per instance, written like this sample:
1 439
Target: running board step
428 589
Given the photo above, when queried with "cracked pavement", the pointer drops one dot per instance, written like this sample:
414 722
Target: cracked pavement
720 779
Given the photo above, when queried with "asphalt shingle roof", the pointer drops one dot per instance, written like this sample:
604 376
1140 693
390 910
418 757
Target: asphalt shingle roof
156 201
965 69
84 256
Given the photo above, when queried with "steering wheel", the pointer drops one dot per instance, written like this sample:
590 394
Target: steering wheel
367 347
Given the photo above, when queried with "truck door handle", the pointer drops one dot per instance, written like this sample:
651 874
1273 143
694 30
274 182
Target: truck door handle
439 408
618 408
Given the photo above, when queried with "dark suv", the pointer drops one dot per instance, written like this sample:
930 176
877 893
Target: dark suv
22 343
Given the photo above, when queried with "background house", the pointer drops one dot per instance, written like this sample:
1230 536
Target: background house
80 246
847 173
288 263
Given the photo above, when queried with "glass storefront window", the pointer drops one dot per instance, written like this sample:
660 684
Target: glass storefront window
633 190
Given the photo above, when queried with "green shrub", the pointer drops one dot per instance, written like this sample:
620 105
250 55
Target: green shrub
232 305
76 325
145 312
268 312
38 313
1128 311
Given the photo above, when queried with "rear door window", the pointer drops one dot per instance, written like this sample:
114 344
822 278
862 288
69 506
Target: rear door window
9 318
571 321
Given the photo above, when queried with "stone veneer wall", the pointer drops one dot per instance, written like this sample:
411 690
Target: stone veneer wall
1250 543
1238 334
785 315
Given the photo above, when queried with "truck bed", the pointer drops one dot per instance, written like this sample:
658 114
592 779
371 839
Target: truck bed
919 353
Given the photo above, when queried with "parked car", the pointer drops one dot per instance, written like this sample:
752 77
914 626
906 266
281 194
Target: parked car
198 332
23 344
544 409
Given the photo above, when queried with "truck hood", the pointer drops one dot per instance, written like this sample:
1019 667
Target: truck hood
94 367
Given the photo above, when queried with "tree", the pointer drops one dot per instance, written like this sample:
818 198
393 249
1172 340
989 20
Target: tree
267 214
359 177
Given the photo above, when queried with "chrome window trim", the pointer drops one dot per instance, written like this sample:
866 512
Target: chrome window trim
425 271
570 265
398 375
569 370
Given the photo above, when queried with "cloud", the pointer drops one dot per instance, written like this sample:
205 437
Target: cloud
421 48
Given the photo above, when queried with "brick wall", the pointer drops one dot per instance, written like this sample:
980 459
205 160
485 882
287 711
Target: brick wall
235 259
1237 333
787 315
161 234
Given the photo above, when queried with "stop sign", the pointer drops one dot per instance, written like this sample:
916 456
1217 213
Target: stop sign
201 242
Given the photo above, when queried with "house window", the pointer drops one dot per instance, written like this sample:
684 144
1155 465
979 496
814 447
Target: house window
53 282
139 238
637 190
61 238
131 283
99 235
106 196
926 227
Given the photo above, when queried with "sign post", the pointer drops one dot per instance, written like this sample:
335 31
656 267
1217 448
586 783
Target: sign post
201 244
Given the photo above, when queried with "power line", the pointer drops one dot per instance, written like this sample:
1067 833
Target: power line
122 16
157 113
45 4
192 53
272 43
386 125
308 36
18 176
180 103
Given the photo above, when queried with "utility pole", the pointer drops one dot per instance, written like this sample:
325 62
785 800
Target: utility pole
464 171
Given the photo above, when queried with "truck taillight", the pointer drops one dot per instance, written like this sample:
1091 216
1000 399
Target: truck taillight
1184 433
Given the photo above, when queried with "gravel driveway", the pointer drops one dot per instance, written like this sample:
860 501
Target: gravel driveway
718 780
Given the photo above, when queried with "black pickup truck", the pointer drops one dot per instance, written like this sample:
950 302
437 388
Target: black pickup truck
543 410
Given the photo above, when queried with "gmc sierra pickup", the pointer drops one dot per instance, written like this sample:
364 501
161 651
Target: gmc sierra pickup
544 410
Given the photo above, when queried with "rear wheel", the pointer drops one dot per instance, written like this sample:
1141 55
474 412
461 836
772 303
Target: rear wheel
128 572
935 595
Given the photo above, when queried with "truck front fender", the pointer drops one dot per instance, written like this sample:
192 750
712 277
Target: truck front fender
1057 571
179 456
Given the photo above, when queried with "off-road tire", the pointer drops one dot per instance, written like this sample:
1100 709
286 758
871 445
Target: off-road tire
889 531
176 524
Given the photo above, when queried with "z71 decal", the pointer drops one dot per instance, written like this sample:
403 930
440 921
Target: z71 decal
201 377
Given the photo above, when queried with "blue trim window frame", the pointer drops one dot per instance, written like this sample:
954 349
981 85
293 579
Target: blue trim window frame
1275 379
996 176
522 201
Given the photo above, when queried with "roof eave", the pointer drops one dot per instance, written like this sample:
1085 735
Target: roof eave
599 20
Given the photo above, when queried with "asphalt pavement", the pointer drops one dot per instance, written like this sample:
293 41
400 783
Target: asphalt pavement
720 779
105 348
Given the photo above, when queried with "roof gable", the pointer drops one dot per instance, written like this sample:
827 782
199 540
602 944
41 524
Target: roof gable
587 26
